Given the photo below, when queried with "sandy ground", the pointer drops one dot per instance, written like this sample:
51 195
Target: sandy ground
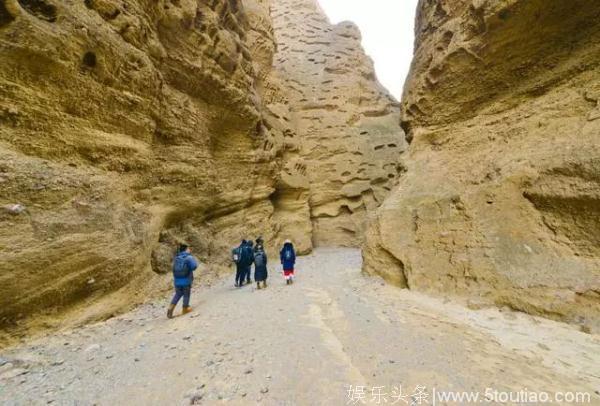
303 344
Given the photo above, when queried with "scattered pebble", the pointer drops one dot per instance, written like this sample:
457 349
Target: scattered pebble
196 399
15 209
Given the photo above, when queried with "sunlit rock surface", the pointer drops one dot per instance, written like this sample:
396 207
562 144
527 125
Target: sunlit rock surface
501 200
127 127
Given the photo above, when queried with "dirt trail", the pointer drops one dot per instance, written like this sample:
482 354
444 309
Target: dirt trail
301 344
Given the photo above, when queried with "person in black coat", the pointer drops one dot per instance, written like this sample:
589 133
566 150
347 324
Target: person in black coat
260 266
250 255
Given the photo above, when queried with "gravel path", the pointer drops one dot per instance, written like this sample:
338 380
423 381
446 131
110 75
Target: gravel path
302 344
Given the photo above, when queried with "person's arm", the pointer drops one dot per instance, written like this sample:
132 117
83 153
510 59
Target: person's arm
192 263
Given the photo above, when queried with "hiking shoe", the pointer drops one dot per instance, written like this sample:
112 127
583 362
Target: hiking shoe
186 310
170 311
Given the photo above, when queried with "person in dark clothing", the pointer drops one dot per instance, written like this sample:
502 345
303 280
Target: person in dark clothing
287 256
240 267
260 266
250 254
184 266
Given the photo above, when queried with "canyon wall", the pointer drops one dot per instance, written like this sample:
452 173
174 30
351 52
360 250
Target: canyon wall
343 155
124 128
501 199
127 127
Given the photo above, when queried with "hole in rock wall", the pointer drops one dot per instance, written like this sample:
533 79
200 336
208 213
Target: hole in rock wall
89 59
5 17
40 9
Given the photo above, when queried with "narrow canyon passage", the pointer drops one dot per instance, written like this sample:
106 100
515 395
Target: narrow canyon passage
300 344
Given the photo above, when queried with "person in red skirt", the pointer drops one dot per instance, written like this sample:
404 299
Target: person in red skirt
288 260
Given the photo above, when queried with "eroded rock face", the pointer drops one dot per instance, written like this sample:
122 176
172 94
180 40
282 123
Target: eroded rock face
343 149
127 127
124 128
501 200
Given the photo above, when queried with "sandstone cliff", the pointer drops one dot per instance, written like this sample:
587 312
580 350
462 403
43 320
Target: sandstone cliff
342 154
126 127
501 201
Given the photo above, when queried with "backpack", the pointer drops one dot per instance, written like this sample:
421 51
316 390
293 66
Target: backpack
288 254
259 259
180 268
246 256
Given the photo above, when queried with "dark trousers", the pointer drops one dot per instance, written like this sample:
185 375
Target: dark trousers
248 274
240 273
184 292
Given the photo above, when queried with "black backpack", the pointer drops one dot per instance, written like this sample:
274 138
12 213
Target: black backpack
259 259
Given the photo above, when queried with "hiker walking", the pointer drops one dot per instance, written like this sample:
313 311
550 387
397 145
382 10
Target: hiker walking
237 255
260 266
184 266
288 260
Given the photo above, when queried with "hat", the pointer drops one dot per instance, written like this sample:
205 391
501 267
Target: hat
288 241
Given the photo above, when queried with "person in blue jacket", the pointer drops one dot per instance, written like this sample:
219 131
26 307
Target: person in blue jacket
184 266
238 255
288 260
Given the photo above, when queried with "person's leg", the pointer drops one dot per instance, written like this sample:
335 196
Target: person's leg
238 276
187 293
244 272
178 294
174 301
249 274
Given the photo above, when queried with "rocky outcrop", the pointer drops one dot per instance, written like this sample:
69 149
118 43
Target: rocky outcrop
344 141
501 201
127 127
